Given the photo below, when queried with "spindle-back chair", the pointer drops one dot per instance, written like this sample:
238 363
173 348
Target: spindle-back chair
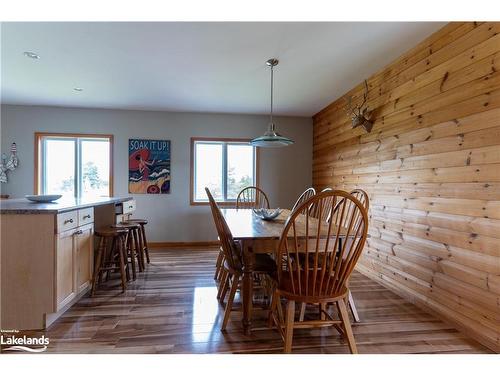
320 276
232 269
252 197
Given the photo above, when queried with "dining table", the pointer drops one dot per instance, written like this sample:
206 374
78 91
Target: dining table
256 235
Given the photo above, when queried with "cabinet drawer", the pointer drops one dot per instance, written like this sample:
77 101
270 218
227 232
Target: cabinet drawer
86 216
128 207
67 220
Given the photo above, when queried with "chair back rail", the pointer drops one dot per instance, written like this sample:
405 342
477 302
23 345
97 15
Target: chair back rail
252 197
362 196
324 270
303 197
228 245
325 213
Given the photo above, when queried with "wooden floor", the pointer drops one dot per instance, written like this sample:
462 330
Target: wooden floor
172 308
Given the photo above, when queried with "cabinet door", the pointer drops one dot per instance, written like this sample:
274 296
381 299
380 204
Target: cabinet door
65 274
84 257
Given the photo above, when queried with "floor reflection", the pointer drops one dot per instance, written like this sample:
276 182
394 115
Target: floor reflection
206 312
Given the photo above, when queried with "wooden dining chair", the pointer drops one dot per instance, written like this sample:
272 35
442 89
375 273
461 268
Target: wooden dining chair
249 197
303 197
232 267
252 197
322 278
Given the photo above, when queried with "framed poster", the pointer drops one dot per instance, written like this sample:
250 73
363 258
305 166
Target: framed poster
148 166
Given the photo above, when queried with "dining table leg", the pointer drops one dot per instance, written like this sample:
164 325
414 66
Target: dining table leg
248 264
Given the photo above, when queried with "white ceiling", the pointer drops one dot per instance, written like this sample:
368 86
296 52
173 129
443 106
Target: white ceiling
199 67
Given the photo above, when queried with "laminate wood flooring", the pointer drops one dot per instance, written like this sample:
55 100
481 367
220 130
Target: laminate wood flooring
172 308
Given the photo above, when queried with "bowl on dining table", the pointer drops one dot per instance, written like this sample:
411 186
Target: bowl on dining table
266 213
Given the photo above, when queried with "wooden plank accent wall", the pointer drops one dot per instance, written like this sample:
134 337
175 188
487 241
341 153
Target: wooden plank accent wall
431 166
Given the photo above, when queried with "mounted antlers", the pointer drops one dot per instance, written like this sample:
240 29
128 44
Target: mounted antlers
360 116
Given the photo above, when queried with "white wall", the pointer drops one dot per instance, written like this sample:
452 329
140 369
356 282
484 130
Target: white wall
284 172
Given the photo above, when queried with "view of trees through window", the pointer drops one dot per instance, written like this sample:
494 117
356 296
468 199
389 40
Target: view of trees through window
91 178
224 167
66 158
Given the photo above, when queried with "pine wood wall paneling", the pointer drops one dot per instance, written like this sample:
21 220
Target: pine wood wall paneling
431 166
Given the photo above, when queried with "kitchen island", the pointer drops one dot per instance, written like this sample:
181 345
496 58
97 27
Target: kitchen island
47 255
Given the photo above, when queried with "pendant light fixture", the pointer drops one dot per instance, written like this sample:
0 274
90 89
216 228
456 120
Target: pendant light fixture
271 138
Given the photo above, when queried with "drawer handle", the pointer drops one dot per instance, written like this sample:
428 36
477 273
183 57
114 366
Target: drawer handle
130 206
86 217
68 221
78 232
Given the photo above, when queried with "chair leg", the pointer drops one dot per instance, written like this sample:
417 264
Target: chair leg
225 287
218 265
219 277
344 316
281 316
224 275
322 309
229 304
272 309
352 306
302 311
290 316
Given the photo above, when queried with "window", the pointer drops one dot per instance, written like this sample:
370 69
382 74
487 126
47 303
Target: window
225 166
74 165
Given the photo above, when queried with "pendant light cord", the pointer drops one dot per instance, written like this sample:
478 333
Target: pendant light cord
272 80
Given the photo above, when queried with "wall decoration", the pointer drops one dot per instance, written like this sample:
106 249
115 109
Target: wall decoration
8 163
360 115
148 166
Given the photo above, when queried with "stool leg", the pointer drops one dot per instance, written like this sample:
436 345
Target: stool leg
104 259
122 263
131 249
140 249
145 242
124 256
109 254
97 266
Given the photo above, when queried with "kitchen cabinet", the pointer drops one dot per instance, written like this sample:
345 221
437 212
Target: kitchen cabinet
74 263
47 256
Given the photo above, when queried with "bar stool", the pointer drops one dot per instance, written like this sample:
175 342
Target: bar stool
143 240
132 245
110 258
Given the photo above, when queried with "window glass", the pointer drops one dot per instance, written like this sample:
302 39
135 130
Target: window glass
59 167
95 168
224 167
74 166
208 170
240 168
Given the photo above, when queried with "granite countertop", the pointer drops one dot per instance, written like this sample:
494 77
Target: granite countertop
24 206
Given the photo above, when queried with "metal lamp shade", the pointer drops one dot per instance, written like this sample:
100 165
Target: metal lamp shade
271 139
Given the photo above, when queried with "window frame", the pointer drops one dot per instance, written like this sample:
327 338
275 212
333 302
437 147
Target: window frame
225 141
39 168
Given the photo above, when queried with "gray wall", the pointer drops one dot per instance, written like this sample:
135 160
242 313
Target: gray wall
284 172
